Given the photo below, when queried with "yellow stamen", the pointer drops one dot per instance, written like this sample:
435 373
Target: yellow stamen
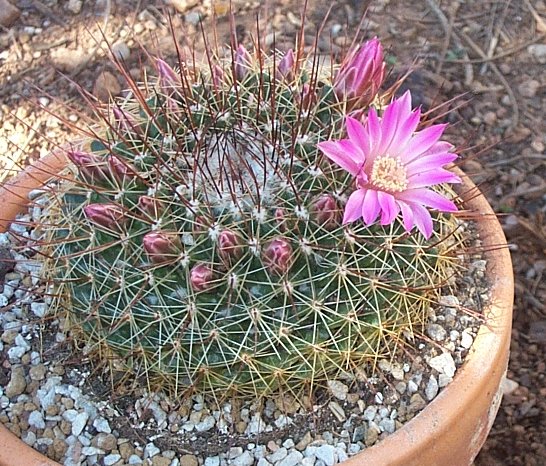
389 174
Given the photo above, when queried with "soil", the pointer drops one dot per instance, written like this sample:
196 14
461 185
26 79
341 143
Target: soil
487 56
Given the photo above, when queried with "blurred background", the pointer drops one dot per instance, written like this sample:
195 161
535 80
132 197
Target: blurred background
487 55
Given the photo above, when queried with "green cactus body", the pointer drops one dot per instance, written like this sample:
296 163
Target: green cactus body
249 284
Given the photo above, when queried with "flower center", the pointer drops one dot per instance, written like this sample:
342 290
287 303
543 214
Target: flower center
389 174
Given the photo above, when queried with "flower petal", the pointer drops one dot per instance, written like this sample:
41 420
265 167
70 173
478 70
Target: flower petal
370 207
421 142
353 209
431 178
358 135
344 153
407 216
429 198
422 219
389 207
430 162
405 129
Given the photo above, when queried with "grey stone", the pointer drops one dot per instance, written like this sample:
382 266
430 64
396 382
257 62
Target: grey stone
293 459
387 425
79 423
431 390
111 459
436 332
150 450
444 364
246 459
206 424
278 455
466 339
338 389
370 412
38 309
538 51
212 461
102 425
327 454
36 419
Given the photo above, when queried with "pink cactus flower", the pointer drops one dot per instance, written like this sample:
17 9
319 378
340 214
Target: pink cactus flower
394 166
278 256
109 216
242 63
361 75
286 67
201 277
162 246
326 212
229 245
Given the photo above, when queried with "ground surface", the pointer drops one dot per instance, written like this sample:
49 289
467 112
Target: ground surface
491 51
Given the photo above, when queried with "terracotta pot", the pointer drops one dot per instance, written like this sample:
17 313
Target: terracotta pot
450 430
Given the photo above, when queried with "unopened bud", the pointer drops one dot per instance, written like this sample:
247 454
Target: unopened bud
242 63
286 68
280 218
150 206
168 79
126 121
92 167
201 277
326 212
278 256
361 75
230 245
162 246
109 216
217 75
121 169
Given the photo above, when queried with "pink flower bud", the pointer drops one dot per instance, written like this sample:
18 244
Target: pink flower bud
168 78
126 121
242 63
361 75
109 216
200 224
201 277
150 206
229 245
217 75
326 212
308 97
286 68
277 256
280 218
162 246
121 169
91 166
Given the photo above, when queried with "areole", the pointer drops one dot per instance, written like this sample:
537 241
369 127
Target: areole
450 430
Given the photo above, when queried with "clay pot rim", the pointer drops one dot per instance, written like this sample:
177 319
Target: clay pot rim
422 431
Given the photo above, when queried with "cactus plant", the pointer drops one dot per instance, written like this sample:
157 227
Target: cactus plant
211 237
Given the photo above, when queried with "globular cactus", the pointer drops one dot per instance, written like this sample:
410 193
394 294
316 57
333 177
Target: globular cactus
204 238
